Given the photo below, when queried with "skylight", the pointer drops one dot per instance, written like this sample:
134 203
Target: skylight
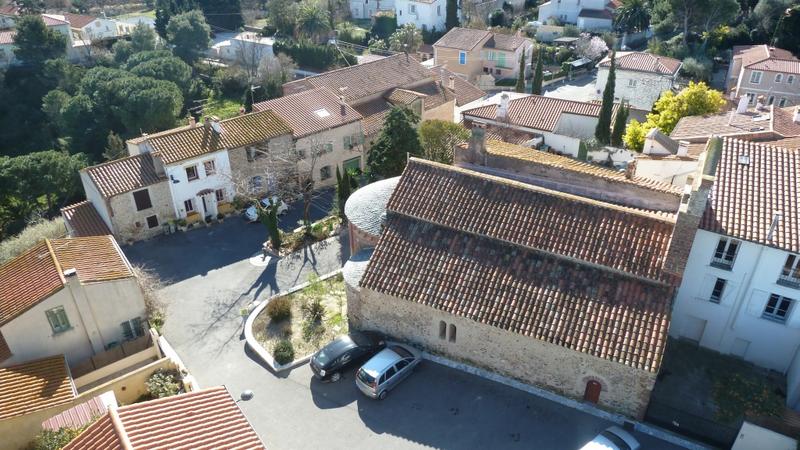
322 113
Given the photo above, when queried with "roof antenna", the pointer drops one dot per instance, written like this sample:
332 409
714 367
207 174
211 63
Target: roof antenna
776 218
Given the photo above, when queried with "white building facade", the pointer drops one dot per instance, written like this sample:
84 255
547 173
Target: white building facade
365 9
567 11
425 14
198 184
641 78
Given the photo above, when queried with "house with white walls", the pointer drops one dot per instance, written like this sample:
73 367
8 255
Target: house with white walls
75 296
365 9
641 78
763 71
549 123
88 28
247 48
741 287
427 15
586 14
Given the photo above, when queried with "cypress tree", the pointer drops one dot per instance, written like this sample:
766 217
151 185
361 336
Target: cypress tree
451 15
619 125
521 77
538 77
603 130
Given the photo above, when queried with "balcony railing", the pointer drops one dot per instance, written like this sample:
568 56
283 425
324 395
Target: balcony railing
722 263
789 280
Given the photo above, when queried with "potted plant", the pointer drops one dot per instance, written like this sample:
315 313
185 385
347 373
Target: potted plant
220 217
208 219
182 225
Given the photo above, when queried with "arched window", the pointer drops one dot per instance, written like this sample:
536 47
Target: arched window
452 333
442 330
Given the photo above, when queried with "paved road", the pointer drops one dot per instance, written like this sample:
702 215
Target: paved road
436 407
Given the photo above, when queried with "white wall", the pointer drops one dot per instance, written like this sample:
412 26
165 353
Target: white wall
29 335
591 23
754 437
364 9
567 10
735 324
648 88
185 189
114 302
673 171
93 195
428 15
100 28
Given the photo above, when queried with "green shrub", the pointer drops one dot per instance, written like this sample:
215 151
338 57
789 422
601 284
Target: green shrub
35 232
54 440
279 309
283 352
313 56
164 383
313 311
384 25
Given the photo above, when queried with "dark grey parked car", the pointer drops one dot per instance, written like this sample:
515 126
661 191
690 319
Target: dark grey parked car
345 351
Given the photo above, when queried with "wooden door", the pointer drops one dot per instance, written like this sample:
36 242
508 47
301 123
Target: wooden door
592 392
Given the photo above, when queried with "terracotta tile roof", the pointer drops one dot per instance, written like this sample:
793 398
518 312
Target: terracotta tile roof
433 94
596 14
792 142
95 258
199 420
9 10
78 20
364 80
7 37
643 62
508 135
752 54
124 175
84 220
79 415
506 42
783 123
239 131
36 274
633 241
494 147
300 111
777 65
723 124
34 386
27 279
536 112
745 196
402 96
462 38
374 113
51 21
464 90
580 307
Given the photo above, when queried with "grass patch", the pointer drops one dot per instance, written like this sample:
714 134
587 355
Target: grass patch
318 315
151 13
320 231
223 108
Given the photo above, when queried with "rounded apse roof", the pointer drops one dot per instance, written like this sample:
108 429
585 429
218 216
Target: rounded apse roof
354 268
366 207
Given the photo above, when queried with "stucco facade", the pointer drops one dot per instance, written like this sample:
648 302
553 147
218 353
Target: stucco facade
639 89
426 15
734 323
95 312
566 11
777 88
365 9
483 61
201 191
623 388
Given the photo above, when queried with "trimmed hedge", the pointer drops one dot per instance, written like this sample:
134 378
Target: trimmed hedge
312 56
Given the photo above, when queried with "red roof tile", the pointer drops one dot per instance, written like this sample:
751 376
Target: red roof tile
462 38
623 239
745 196
777 65
643 62
7 37
124 174
34 386
783 121
78 20
84 220
79 415
536 112
200 420
311 111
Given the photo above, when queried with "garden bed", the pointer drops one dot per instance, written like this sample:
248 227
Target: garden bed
295 325
299 238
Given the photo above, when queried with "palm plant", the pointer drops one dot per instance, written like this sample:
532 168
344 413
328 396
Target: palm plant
313 20
633 16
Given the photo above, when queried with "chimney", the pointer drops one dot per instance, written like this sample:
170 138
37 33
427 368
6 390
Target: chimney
693 205
796 117
69 273
776 218
502 109
207 123
683 148
760 103
630 170
658 63
191 121
477 145
342 106
451 83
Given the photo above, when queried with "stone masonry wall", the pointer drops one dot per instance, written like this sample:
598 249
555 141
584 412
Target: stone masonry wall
624 389
124 215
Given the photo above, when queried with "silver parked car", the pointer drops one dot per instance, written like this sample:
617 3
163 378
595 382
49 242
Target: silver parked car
386 369
252 215
613 438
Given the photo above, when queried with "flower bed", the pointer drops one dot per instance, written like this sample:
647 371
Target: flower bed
300 323
297 239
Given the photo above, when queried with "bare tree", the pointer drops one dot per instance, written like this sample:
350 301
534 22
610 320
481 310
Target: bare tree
249 53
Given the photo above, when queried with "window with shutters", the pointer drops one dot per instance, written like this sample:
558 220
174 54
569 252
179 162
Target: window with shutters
220 194
58 319
152 221
210 167
142 200
719 288
132 329
191 173
188 205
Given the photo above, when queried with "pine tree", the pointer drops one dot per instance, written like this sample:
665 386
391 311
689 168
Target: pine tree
538 76
619 125
164 9
521 77
451 19
603 130
387 158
